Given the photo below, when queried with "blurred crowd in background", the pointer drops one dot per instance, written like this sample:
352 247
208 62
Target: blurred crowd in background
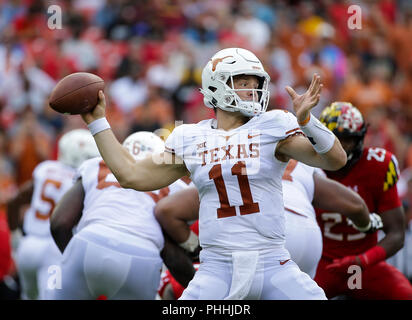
151 53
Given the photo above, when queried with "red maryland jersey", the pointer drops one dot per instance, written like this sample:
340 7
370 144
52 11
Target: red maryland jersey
374 178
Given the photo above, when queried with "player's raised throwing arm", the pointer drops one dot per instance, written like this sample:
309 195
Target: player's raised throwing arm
321 148
151 173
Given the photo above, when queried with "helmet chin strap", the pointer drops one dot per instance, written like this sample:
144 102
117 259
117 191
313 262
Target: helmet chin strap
248 108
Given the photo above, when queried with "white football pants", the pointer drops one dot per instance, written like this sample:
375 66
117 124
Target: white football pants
100 261
250 275
304 242
35 258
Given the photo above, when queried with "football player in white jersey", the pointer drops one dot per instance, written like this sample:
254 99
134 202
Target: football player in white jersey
236 161
115 252
37 252
303 188
306 188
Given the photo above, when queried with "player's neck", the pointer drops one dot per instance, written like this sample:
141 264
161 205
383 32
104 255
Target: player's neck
227 120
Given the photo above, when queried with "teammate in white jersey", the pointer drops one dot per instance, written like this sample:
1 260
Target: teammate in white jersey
115 252
37 252
306 188
236 161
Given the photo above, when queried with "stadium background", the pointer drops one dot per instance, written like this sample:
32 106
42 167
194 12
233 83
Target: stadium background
151 52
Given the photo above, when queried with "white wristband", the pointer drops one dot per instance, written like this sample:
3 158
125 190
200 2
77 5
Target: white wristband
98 125
191 243
321 137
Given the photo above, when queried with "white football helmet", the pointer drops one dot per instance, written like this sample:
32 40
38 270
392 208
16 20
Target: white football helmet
220 71
77 146
142 143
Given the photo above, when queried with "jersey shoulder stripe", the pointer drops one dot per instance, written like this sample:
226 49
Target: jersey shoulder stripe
392 174
385 166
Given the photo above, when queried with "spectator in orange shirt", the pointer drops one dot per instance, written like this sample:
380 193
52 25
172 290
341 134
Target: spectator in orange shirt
405 98
383 132
157 112
30 145
398 35
7 183
368 92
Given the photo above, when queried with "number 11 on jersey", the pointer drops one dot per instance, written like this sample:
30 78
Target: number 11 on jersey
226 210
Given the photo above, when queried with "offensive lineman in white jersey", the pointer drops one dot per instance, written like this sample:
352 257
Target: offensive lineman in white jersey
37 251
236 162
306 188
115 252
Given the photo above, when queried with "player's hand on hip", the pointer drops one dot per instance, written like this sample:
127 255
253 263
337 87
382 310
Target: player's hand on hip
302 104
98 112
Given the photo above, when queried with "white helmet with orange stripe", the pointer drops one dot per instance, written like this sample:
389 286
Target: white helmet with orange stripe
217 82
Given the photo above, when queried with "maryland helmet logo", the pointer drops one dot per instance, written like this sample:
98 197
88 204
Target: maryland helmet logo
391 175
342 117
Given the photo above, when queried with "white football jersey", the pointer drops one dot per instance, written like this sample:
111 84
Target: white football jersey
51 181
125 210
238 178
298 189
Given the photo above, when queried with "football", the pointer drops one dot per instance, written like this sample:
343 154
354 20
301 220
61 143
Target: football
76 93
